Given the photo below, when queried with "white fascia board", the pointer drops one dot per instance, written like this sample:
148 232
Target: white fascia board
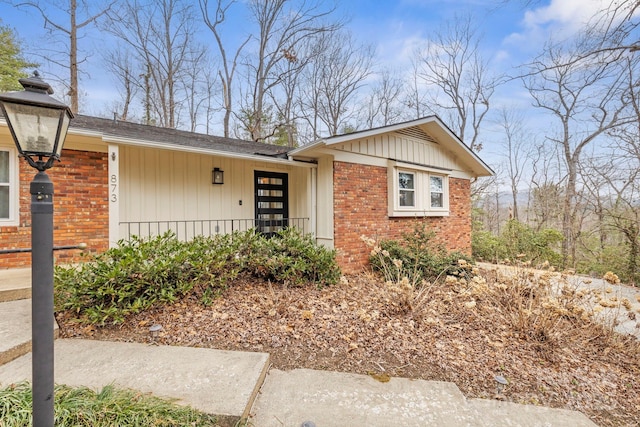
306 148
377 131
209 152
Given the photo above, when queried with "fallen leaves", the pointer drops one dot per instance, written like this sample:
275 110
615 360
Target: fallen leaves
456 332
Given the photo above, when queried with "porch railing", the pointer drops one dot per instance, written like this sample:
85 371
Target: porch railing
188 229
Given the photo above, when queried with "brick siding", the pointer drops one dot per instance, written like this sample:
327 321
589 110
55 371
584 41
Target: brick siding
80 209
361 208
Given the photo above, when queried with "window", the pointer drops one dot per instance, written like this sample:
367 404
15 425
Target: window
418 192
407 189
436 188
8 181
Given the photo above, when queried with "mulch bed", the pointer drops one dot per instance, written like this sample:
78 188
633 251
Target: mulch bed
365 326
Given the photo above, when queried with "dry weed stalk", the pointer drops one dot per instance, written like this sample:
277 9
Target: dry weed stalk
405 293
543 306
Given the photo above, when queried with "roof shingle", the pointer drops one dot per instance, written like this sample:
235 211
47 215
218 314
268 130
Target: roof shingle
117 128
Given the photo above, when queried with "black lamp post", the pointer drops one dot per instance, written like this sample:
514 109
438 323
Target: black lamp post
39 124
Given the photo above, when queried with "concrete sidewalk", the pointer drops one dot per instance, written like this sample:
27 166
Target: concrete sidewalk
225 383
235 385
335 399
218 382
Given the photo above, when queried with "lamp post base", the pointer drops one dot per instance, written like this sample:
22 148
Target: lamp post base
42 316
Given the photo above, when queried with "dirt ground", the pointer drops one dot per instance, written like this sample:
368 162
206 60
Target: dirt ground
459 331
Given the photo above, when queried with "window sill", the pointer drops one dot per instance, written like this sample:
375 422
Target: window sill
417 213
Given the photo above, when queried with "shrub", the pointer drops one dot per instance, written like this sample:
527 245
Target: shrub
517 241
293 258
126 279
416 257
140 273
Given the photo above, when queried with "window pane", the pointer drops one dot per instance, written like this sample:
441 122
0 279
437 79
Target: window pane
407 198
4 202
270 193
270 205
405 180
436 200
436 184
4 166
271 216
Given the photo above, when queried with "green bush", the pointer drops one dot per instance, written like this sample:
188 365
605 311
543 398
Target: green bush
517 241
293 258
81 406
140 273
417 257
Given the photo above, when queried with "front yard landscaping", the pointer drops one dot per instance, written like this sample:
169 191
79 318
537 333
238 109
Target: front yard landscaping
464 325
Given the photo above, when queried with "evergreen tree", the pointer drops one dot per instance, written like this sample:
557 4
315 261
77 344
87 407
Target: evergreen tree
12 64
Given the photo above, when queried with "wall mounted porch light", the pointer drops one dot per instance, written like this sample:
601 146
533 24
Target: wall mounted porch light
217 176
38 125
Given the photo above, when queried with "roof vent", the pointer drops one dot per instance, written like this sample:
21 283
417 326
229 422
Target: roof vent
417 133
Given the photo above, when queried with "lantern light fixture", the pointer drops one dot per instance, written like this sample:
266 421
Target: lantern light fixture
217 176
37 121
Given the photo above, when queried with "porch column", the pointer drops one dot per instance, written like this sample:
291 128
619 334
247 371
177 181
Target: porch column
114 195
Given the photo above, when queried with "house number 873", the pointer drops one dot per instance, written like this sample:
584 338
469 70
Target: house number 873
113 186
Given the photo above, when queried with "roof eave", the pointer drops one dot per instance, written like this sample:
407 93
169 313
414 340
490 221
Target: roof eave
197 150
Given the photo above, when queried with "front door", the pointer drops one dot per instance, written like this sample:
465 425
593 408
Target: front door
272 201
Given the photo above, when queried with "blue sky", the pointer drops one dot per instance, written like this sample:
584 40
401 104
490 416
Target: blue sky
512 31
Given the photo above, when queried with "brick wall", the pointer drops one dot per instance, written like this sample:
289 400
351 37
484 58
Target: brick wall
80 210
360 208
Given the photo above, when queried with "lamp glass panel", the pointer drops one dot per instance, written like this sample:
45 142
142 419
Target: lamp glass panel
63 132
35 127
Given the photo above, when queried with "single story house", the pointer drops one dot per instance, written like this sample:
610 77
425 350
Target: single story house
117 179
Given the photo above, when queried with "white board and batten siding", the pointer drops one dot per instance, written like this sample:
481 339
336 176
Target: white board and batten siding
411 145
162 185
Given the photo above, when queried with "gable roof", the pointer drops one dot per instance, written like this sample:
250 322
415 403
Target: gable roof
116 130
431 125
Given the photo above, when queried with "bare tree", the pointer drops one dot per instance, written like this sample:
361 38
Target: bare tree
384 106
516 145
195 87
286 97
459 82
68 27
283 25
415 98
587 98
161 35
125 74
214 17
544 204
333 81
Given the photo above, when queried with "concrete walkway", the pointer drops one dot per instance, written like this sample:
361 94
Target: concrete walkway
237 385
218 382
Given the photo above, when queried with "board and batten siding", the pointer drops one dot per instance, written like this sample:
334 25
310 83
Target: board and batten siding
411 145
163 185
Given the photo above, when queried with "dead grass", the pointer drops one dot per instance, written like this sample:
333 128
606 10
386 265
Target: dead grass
537 332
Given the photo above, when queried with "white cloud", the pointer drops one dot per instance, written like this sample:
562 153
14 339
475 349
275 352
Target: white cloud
558 19
570 14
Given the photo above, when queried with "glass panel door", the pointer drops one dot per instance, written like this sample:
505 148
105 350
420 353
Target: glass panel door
272 201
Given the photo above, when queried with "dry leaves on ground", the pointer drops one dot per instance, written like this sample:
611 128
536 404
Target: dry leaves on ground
460 331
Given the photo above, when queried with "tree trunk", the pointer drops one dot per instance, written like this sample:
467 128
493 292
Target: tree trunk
73 58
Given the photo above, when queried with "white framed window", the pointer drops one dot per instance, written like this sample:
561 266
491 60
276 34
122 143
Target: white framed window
436 191
8 186
407 189
418 192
